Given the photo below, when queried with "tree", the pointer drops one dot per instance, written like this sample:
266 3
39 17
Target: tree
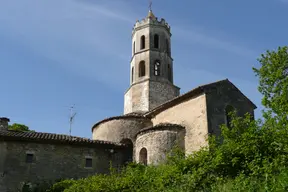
250 156
18 127
273 82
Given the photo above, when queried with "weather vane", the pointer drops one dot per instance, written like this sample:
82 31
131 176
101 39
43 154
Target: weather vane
150 5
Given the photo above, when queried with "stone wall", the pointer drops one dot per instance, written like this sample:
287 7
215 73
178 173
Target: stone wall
218 97
118 128
160 92
204 113
147 95
50 162
136 37
3 152
192 115
159 142
4 123
147 92
136 98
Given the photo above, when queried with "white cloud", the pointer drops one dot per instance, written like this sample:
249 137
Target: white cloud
70 34
113 14
210 41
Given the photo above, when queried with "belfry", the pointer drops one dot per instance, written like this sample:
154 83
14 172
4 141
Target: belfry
151 67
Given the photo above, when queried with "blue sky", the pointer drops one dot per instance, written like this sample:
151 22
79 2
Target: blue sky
56 53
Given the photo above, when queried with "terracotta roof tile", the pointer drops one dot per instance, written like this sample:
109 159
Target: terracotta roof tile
51 137
138 115
161 126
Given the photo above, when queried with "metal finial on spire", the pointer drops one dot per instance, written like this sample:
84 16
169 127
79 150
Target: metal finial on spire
150 5
150 13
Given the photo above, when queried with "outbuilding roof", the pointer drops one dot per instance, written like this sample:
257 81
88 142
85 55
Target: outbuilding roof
53 138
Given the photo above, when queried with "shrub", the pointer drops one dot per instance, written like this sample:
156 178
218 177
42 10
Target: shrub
250 156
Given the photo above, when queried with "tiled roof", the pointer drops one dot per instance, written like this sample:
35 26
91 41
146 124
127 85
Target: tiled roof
194 92
4 119
161 126
52 138
138 115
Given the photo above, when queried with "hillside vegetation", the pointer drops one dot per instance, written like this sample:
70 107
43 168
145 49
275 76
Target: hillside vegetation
253 154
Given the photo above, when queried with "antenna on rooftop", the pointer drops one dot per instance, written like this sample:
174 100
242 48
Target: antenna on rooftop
72 115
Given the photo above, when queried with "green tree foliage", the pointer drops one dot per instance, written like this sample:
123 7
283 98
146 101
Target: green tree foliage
18 127
251 156
273 82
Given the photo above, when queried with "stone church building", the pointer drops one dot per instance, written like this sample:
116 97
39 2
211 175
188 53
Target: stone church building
156 118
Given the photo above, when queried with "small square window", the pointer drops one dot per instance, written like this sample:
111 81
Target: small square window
29 158
88 162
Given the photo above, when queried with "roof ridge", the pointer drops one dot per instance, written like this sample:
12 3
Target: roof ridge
39 132
51 137
199 88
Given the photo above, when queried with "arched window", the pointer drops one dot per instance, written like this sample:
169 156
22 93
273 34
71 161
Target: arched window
128 151
134 47
169 73
167 47
228 111
156 41
132 74
143 156
142 43
142 68
157 68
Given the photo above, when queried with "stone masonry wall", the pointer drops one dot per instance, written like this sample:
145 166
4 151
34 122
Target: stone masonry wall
192 115
50 162
218 98
149 94
116 130
148 91
160 92
4 123
136 98
158 144
3 152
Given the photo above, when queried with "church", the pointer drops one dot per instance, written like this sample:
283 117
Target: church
156 118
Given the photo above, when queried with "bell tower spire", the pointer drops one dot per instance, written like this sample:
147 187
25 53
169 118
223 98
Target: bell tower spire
150 13
151 67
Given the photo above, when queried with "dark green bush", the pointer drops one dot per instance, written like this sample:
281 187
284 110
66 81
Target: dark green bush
250 156
61 186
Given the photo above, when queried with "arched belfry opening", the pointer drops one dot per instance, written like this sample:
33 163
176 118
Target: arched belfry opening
142 42
132 75
142 67
143 156
128 154
157 68
228 110
156 41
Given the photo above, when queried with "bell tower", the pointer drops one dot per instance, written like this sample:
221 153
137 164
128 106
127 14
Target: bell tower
151 66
